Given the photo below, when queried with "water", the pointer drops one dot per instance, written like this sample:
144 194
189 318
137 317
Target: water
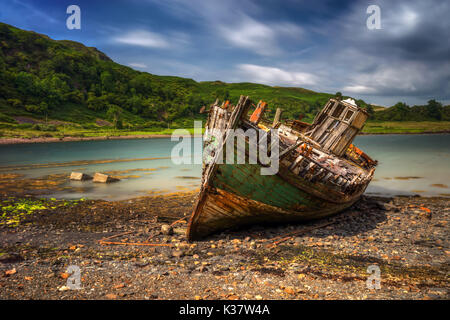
425 159
408 164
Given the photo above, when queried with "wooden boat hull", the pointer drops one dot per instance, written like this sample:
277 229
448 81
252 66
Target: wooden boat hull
238 195
234 195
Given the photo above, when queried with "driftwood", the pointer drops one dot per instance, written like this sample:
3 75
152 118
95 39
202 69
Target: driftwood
138 244
296 233
115 236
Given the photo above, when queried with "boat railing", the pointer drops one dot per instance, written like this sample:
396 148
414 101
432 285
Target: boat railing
314 171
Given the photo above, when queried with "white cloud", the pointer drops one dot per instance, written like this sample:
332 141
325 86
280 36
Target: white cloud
143 38
258 37
275 76
137 65
234 21
358 89
249 34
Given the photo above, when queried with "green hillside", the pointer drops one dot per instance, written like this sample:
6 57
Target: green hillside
63 87
67 81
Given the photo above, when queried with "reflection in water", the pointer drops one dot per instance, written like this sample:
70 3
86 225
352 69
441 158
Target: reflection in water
408 164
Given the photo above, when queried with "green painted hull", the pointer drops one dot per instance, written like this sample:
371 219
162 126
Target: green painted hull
237 195
234 195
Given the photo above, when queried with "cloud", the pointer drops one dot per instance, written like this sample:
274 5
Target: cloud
407 58
137 65
275 76
143 38
249 34
325 47
358 89
261 38
407 78
35 13
235 22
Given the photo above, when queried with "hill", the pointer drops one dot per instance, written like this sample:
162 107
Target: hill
64 80
46 85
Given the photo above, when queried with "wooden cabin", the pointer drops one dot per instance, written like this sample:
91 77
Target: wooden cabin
335 127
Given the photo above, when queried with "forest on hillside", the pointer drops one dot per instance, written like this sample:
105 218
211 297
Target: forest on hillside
67 81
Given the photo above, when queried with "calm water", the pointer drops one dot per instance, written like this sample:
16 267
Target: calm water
408 164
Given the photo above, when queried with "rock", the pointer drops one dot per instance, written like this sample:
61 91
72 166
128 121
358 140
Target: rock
166 229
11 258
110 296
79 176
181 231
386 206
104 178
10 272
289 290
177 253
431 297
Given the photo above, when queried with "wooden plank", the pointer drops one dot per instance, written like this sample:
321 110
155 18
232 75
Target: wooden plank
277 117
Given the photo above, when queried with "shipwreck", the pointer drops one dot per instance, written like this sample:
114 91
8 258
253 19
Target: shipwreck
320 171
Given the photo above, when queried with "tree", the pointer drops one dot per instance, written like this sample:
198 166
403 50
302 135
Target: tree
114 112
370 110
25 83
221 94
107 81
15 103
38 109
434 110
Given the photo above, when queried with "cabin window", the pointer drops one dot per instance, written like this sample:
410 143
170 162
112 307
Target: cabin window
333 125
326 133
328 107
338 111
348 115
321 118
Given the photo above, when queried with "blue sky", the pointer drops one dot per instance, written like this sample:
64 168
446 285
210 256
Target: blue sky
320 45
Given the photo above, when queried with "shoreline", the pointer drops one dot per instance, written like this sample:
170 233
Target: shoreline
9 141
316 260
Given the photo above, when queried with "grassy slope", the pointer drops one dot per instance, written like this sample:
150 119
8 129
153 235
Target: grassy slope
406 127
81 121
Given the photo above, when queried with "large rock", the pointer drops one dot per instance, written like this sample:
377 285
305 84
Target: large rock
166 229
103 178
79 176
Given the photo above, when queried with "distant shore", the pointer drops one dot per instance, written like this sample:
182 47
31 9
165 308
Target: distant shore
386 133
7 141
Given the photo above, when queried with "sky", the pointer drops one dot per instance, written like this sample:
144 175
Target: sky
324 46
